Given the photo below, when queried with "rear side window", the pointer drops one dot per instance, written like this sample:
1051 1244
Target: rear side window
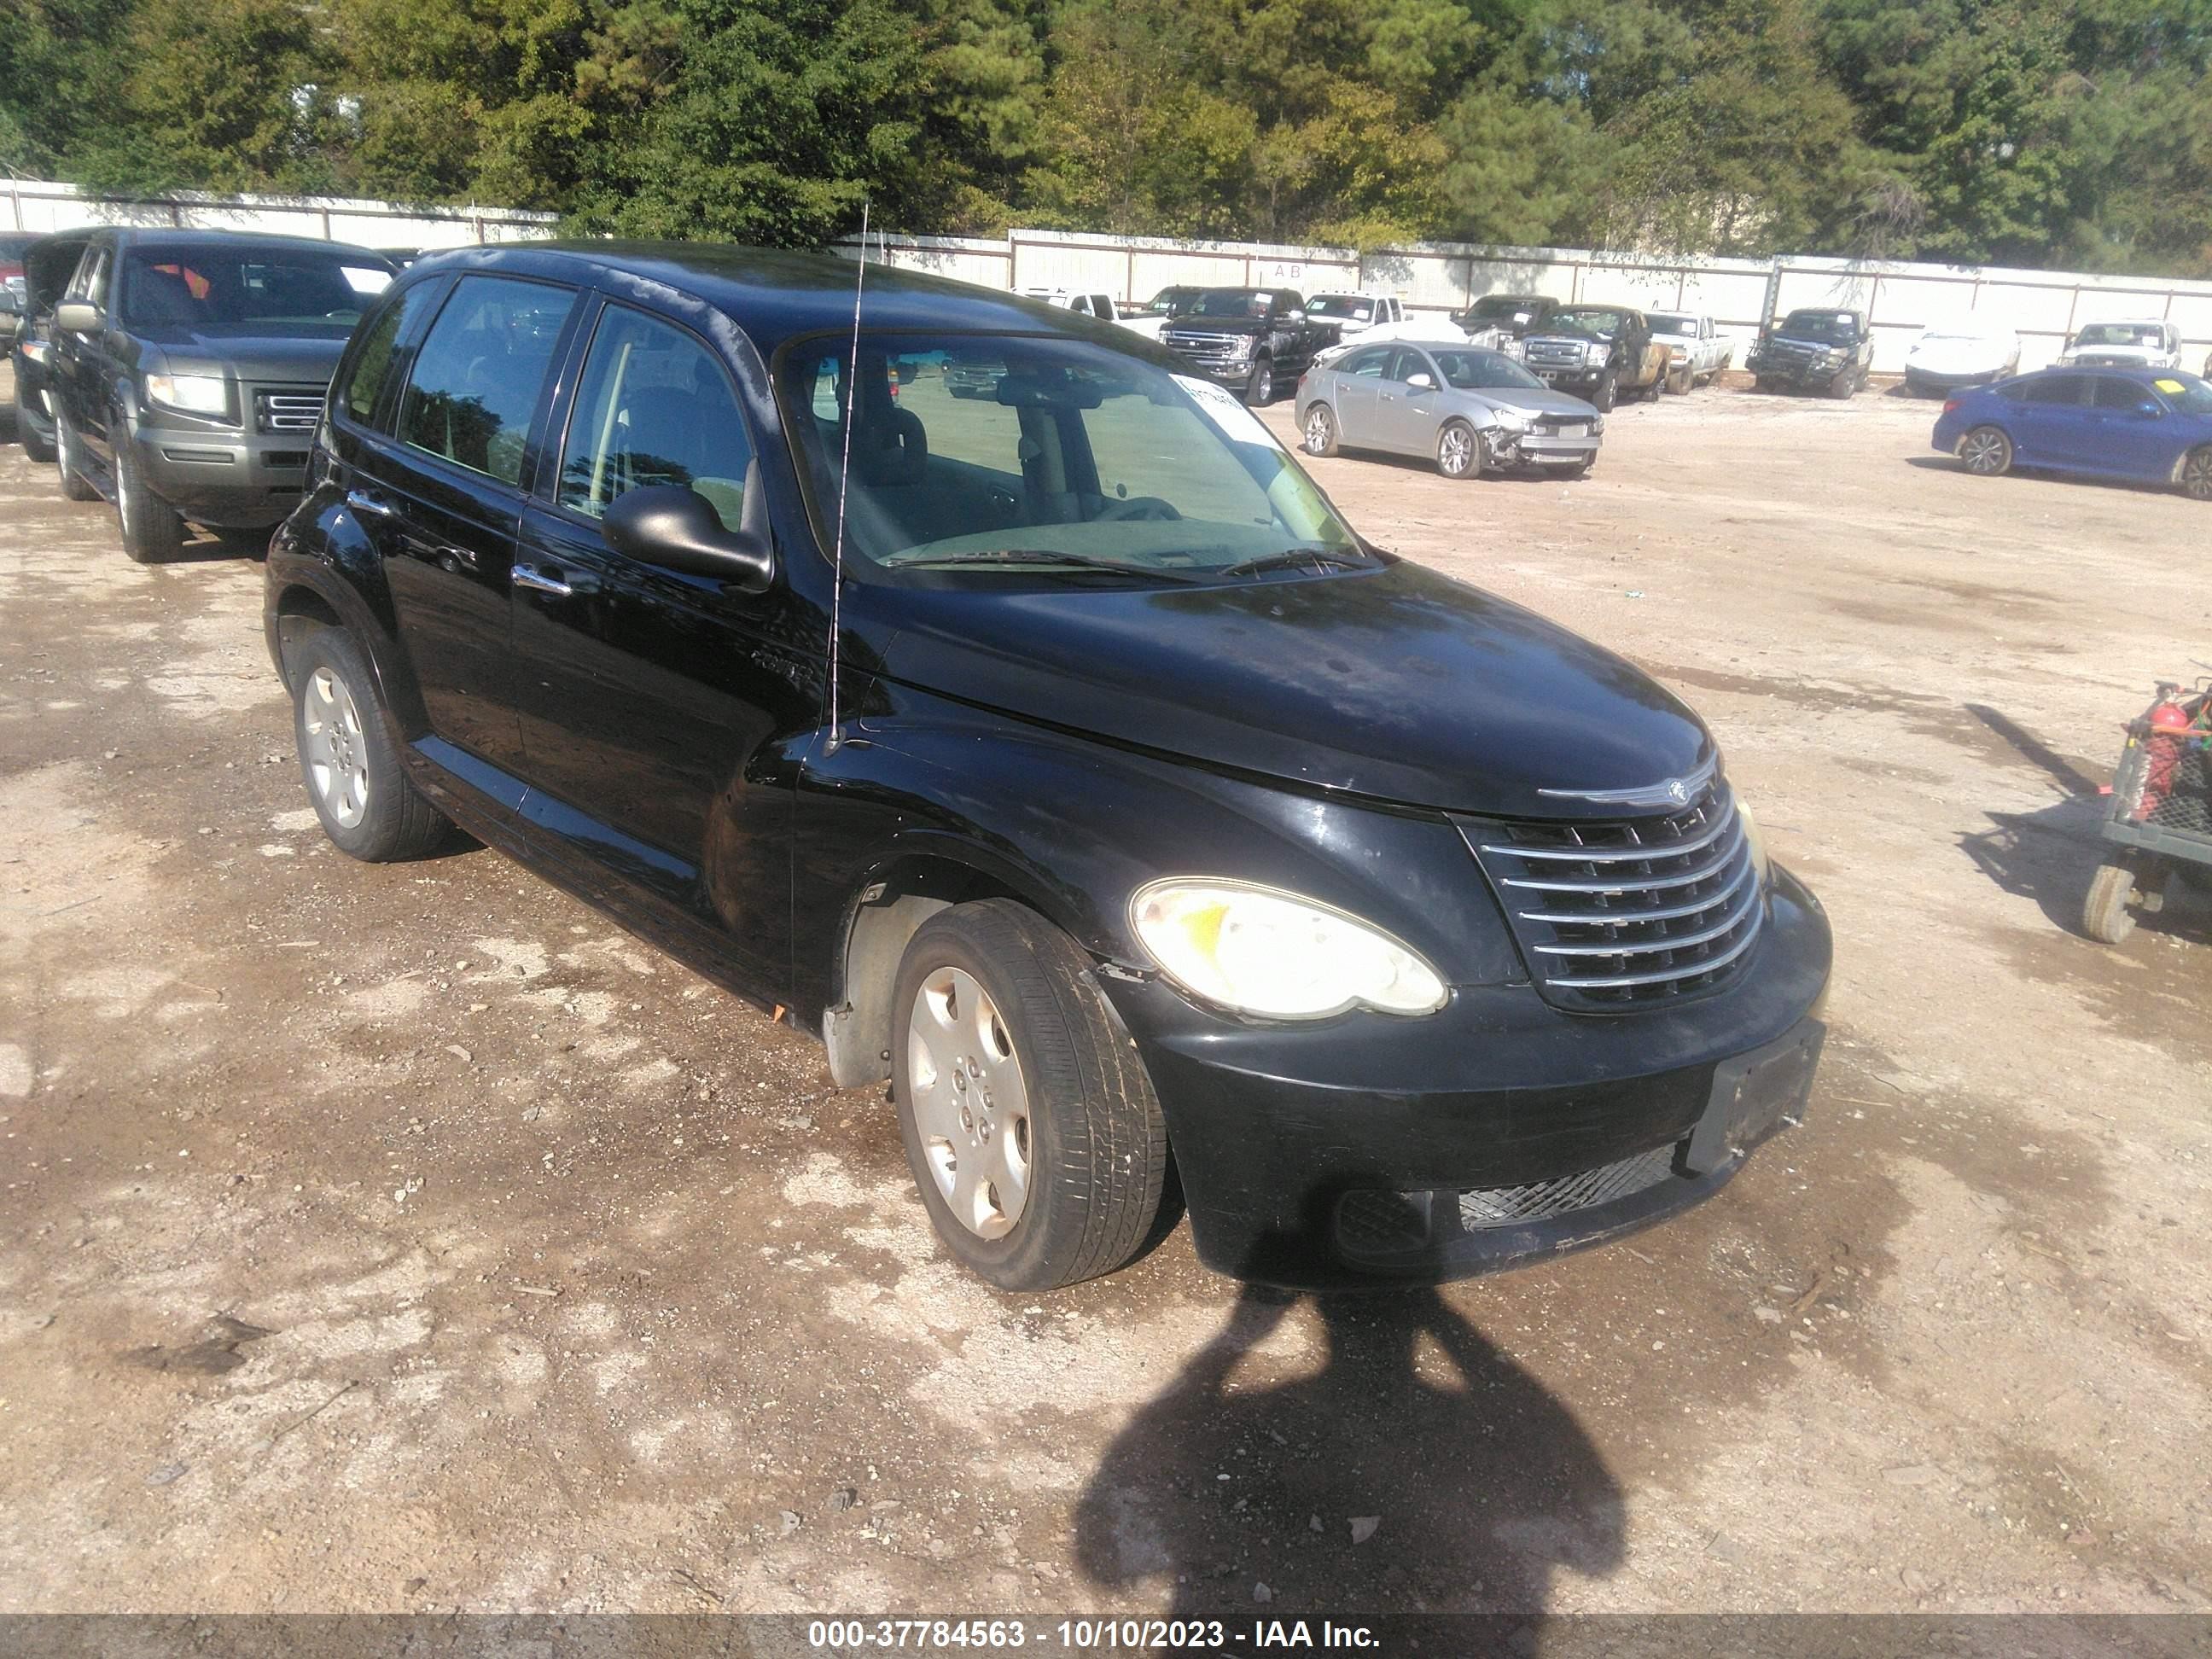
2058 389
370 370
478 376
655 408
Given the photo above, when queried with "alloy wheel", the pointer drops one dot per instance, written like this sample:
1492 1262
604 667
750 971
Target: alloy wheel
1985 451
1317 431
971 1103
2197 475
1455 451
337 750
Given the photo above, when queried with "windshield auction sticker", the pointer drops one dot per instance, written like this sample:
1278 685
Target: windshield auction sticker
1223 408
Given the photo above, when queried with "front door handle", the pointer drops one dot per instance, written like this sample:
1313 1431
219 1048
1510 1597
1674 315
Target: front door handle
559 583
370 505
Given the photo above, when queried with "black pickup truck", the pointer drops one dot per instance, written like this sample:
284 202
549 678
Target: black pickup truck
1815 350
1255 339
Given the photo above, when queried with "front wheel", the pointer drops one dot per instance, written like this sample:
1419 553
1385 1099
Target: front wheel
2197 473
1260 389
152 530
1319 430
2105 912
1607 393
1845 383
1029 1119
1986 452
1459 451
35 447
369 805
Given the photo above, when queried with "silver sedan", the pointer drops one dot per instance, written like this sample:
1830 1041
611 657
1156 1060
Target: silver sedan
1475 411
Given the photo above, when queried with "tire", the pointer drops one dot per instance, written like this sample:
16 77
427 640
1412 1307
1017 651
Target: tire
994 981
2197 473
152 530
67 463
1260 389
369 807
1760 383
1459 451
38 449
1607 392
1319 430
1682 382
2104 916
1986 452
1846 385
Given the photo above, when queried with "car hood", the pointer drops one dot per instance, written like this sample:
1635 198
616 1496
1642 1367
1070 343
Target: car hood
1961 355
276 357
1397 683
1529 400
2145 357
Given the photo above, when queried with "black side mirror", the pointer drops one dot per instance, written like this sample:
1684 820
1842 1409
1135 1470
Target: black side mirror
674 527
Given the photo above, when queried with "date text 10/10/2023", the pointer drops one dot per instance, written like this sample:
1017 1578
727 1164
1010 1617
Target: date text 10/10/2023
1085 1635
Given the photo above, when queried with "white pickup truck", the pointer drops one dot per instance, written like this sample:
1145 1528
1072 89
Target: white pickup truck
1696 351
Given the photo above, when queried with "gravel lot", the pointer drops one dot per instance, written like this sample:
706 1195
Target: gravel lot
408 1238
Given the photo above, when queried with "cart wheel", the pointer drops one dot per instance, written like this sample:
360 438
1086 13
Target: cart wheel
2104 915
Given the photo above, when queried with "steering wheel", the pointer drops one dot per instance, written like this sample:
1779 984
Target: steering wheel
1137 507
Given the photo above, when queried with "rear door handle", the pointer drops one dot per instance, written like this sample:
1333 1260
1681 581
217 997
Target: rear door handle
554 581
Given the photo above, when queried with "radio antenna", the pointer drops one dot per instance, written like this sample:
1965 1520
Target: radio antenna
844 479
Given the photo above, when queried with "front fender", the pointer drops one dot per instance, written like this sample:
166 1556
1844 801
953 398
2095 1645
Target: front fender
1074 826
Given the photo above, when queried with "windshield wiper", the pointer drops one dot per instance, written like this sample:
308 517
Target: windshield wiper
1292 559
1036 556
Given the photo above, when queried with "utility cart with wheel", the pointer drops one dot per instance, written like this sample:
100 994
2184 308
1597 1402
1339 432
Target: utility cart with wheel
2158 822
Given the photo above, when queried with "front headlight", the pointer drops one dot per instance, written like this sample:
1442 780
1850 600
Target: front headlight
1276 955
1512 420
1752 839
1240 346
196 394
1600 356
34 349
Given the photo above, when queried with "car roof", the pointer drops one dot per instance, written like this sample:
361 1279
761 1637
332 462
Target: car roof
157 237
772 295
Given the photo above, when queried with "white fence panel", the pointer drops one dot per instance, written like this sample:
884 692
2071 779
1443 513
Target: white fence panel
40 205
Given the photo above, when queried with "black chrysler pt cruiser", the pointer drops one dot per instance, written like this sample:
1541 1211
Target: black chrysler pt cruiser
1157 839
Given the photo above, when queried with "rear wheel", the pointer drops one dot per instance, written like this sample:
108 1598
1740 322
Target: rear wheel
369 805
2197 473
1260 389
1680 380
2105 912
68 451
1986 452
1028 1120
1320 431
152 530
1459 451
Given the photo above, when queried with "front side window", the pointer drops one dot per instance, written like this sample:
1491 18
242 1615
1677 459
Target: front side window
218 288
1010 457
1371 362
477 378
654 407
1486 371
372 364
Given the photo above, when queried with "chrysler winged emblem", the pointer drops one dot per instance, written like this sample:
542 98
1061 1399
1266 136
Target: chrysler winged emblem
1673 792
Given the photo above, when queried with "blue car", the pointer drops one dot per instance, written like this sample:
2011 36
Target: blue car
2150 424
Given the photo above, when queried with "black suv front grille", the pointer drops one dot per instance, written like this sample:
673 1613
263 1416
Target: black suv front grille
286 408
1621 913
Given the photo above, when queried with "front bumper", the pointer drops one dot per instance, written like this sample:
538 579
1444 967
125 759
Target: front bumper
1351 1151
1222 371
1540 449
1923 379
1560 379
1794 371
220 477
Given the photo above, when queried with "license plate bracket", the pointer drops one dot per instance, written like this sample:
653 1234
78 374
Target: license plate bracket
1754 1093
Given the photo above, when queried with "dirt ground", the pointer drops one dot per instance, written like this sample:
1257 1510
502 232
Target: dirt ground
408 1238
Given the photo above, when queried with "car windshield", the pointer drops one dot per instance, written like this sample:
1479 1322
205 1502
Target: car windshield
2187 393
247 290
2121 334
1350 308
1817 325
1003 457
1484 371
1665 322
1232 302
1169 302
1598 324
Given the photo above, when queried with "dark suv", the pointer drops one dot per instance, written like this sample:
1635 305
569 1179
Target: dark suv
48 263
1815 349
188 371
1061 756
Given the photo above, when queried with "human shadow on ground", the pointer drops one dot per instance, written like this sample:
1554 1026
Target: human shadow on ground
1480 1480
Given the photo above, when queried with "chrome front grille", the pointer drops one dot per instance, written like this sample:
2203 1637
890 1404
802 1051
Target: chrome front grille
1620 914
1557 353
286 408
1204 347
